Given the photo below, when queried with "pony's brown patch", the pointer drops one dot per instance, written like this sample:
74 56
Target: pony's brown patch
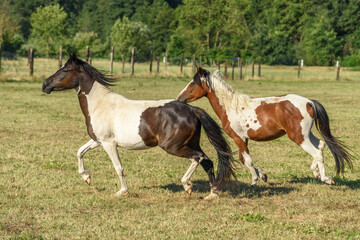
84 108
242 145
310 110
85 88
276 121
148 127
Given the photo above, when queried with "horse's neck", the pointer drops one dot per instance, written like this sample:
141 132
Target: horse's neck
218 108
95 97
223 99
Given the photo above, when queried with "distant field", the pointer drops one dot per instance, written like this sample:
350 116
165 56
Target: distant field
42 196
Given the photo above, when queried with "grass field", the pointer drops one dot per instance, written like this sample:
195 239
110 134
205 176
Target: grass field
42 196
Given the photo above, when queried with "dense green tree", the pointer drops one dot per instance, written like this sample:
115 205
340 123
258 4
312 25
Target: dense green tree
277 31
8 28
160 19
320 43
91 39
126 34
48 27
100 15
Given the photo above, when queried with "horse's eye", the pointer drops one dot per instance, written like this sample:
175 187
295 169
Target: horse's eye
192 84
67 70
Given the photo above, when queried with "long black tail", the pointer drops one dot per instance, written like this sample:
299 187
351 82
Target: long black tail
226 162
340 152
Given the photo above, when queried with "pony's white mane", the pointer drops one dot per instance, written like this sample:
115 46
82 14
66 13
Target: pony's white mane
228 98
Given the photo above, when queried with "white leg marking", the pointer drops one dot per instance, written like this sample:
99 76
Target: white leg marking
86 147
250 165
186 178
317 166
111 150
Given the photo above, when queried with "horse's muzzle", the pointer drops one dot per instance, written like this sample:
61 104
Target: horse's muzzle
47 88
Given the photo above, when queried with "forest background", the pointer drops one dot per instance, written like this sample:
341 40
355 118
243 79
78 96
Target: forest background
279 32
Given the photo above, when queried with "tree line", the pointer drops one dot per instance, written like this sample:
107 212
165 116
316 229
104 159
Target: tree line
275 31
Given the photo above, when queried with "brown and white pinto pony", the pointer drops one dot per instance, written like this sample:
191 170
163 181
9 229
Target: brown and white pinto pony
113 120
265 119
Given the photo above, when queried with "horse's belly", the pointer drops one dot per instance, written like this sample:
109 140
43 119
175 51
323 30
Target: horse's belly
127 134
130 140
123 131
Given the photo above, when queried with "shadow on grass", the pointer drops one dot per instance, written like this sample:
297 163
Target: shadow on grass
353 184
235 189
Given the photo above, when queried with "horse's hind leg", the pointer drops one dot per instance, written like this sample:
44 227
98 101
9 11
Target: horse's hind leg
208 166
315 147
111 150
197 156
86 147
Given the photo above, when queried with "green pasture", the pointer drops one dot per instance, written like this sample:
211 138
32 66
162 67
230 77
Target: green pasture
42 196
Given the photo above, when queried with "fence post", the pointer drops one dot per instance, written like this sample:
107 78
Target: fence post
338 70
87 54
218 64
29 56
151 59
0 57
200 62
259 69
225 71
181 62
60 57
31 61
253 68
111 59
232 72
132 61
123 63
158 64
194 63
240 65
299 66
166 61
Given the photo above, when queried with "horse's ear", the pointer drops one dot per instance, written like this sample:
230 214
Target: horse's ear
74 57
199 70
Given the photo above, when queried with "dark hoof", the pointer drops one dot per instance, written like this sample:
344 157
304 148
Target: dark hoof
264 177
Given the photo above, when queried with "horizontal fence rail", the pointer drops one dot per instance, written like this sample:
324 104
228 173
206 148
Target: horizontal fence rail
246 67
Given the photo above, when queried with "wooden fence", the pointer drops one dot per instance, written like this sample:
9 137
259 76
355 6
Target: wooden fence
240 64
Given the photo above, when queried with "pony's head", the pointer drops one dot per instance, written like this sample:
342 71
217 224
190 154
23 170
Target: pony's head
197 87
67 77
76 73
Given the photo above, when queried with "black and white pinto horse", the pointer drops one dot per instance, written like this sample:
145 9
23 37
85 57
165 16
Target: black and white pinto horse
113 120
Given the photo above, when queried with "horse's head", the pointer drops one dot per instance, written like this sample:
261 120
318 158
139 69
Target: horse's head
197 87
67 77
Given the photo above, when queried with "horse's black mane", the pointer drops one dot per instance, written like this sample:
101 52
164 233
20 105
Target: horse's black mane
99 76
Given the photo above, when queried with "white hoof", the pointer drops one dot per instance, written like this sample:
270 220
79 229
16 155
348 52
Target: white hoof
188 187
211 196
121 193
86 176
330 181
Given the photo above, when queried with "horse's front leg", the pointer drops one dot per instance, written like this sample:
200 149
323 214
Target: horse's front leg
111 150
246 159
80 153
